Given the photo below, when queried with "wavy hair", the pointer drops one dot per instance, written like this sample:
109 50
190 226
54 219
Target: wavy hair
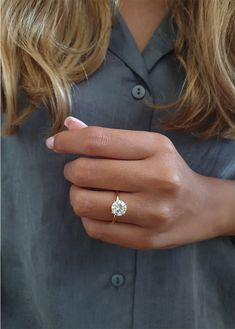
47 46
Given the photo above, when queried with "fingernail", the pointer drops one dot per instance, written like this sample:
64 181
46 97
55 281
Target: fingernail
50 142
71 119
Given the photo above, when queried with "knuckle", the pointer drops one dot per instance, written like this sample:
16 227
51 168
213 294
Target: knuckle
172 181
82 171
96 139
175 182
167 144
148 242
168 180
93 232
163 213
151 241
159 214
150 136
81 205
163 241
68 171
153 140
158 241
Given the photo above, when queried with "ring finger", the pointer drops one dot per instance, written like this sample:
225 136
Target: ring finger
97 205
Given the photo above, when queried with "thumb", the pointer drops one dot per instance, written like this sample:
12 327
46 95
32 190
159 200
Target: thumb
74 123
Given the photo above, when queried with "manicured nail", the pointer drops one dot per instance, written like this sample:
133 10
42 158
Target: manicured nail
69 120
50 142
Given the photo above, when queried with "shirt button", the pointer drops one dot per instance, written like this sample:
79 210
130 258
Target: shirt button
138 92
118 280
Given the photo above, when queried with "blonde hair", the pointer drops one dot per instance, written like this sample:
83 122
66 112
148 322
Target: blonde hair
48 45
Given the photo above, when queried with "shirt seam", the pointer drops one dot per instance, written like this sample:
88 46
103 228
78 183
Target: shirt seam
134 289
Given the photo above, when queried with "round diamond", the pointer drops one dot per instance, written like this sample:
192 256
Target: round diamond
119 208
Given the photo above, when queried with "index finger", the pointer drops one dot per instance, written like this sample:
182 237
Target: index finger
106 142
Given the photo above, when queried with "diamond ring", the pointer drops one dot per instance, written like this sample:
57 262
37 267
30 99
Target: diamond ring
119 208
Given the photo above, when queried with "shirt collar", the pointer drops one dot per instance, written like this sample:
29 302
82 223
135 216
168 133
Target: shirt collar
161 43
123 45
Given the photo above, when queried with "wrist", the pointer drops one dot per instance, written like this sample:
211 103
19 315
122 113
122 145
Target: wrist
219 197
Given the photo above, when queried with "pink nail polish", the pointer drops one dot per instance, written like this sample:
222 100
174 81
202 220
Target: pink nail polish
50 142
71 119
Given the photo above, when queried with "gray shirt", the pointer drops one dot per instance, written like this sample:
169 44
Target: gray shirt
54 276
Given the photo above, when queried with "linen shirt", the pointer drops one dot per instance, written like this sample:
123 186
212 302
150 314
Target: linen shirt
54 276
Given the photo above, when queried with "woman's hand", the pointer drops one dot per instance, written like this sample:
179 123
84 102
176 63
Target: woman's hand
168 203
